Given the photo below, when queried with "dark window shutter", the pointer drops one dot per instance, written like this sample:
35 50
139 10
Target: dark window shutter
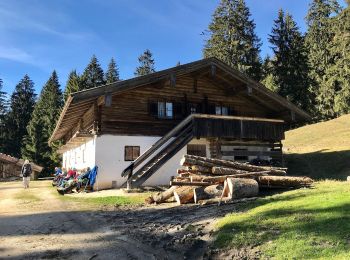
178 113
153 108
211 109
231 111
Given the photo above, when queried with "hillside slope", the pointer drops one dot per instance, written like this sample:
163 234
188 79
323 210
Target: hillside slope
320 150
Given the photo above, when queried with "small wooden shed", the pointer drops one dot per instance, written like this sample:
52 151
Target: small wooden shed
10 167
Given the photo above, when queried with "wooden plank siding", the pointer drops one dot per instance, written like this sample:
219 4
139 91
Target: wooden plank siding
129 112
238 129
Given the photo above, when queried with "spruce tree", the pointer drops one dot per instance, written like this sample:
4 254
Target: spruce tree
338 75
146 65
73 84
289 64
21 107
93 75
233 39
318 38
42 124
3 111
112 74
268 78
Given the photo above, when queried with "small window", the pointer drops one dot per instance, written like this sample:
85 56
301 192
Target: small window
197 149
131 153
221 110
165 110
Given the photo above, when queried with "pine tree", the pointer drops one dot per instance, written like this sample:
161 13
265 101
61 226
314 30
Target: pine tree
93 75
21 107
73 84
289 64
42 124
318 38
112 74
146 64
233 39
338 75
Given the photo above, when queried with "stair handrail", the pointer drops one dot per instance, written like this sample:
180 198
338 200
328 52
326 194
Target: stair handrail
156 146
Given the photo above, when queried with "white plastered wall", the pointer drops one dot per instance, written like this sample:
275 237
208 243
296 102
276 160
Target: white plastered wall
80 157
110 159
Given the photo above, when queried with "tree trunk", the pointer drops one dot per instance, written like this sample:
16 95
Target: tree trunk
214 190
184 194
240 188
162 196
189 183
231 171
199 194
285 181
189 160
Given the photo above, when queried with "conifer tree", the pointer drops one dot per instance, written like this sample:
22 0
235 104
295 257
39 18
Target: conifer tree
21 107
42 124
233 39
289 64
93 75
112 74
338 75
3 111
146 65
318 38
73 84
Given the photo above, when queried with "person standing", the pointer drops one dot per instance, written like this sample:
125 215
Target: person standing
26 172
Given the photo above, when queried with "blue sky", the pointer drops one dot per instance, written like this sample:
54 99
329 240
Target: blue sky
40 36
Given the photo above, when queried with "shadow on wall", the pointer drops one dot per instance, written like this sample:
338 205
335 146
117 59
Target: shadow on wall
320 165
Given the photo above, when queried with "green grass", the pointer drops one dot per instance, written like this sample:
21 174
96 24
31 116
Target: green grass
112 200
321 150
299 224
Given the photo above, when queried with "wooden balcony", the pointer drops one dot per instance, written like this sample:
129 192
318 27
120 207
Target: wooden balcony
240 128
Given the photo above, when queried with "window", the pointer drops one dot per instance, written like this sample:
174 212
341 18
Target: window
221 110
131 153
165 110
197 149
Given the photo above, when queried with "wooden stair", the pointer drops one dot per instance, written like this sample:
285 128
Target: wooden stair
164 149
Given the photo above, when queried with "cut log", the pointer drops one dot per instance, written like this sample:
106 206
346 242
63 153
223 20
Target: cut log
225 200
240 188
199 194
221 179
213 201
189 160
189 183
286 181
214 190
184 194
162 196
198 168
180 178
231 171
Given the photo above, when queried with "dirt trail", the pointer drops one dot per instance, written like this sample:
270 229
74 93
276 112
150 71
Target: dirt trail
36 224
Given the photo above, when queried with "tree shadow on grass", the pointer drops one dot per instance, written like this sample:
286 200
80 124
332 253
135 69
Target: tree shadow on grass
320 165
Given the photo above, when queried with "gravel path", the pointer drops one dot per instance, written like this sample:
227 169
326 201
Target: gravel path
36 224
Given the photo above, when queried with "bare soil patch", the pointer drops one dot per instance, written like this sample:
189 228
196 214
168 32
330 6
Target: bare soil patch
37 224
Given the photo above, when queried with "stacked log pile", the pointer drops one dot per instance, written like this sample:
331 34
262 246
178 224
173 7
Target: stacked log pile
205 180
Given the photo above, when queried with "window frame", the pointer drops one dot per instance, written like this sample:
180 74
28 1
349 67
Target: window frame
163 110
132 152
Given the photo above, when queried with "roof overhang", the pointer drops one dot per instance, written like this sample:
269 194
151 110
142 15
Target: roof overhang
79 102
